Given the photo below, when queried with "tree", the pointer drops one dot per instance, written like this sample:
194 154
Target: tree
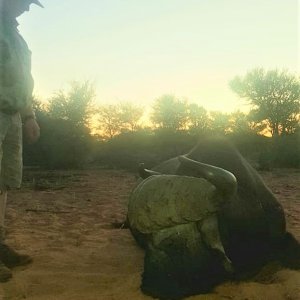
219 122
130 115
198 118
75 106
110 123
62 144
275 98
241 123
170 113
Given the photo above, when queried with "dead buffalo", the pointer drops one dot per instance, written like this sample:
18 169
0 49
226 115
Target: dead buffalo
203 218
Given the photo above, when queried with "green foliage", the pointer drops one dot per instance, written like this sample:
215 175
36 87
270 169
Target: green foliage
170 113
243 124
61 145
127 150
130 116
109 120
275 97
66 140
198 119
74 106
116 118
219 122
286 151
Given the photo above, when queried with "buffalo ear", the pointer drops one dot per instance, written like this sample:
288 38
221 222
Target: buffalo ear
145 173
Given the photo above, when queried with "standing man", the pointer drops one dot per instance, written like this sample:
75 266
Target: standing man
16 85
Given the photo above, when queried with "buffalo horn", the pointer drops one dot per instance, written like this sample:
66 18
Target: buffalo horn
223 180
145 173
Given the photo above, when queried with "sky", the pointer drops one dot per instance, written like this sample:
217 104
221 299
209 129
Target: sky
138 50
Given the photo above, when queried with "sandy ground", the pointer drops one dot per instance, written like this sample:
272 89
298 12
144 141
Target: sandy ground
64 221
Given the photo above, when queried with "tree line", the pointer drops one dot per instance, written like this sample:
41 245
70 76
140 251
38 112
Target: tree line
76 132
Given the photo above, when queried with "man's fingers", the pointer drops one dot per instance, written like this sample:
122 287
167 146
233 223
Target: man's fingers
32 131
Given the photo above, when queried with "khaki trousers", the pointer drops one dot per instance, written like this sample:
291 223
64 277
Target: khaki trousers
3 200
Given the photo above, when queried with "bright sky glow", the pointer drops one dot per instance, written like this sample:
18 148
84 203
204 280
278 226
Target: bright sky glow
138 50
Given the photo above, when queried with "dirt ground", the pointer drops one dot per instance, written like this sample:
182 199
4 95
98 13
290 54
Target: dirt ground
64 221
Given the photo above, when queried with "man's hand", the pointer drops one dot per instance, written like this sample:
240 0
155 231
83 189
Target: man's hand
31 130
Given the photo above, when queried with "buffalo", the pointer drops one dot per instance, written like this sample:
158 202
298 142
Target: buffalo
205 217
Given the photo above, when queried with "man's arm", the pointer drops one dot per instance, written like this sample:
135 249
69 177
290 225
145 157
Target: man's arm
31 127
10 91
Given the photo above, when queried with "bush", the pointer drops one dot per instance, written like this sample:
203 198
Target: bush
61 145
286 151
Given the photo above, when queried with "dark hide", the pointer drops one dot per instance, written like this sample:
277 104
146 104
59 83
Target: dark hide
252 224
171 272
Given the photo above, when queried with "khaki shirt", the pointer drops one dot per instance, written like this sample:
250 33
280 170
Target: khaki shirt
16 83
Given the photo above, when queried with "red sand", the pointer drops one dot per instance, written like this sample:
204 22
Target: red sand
78 254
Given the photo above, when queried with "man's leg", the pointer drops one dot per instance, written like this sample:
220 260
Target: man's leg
11 175
3 200
8 256
5 273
